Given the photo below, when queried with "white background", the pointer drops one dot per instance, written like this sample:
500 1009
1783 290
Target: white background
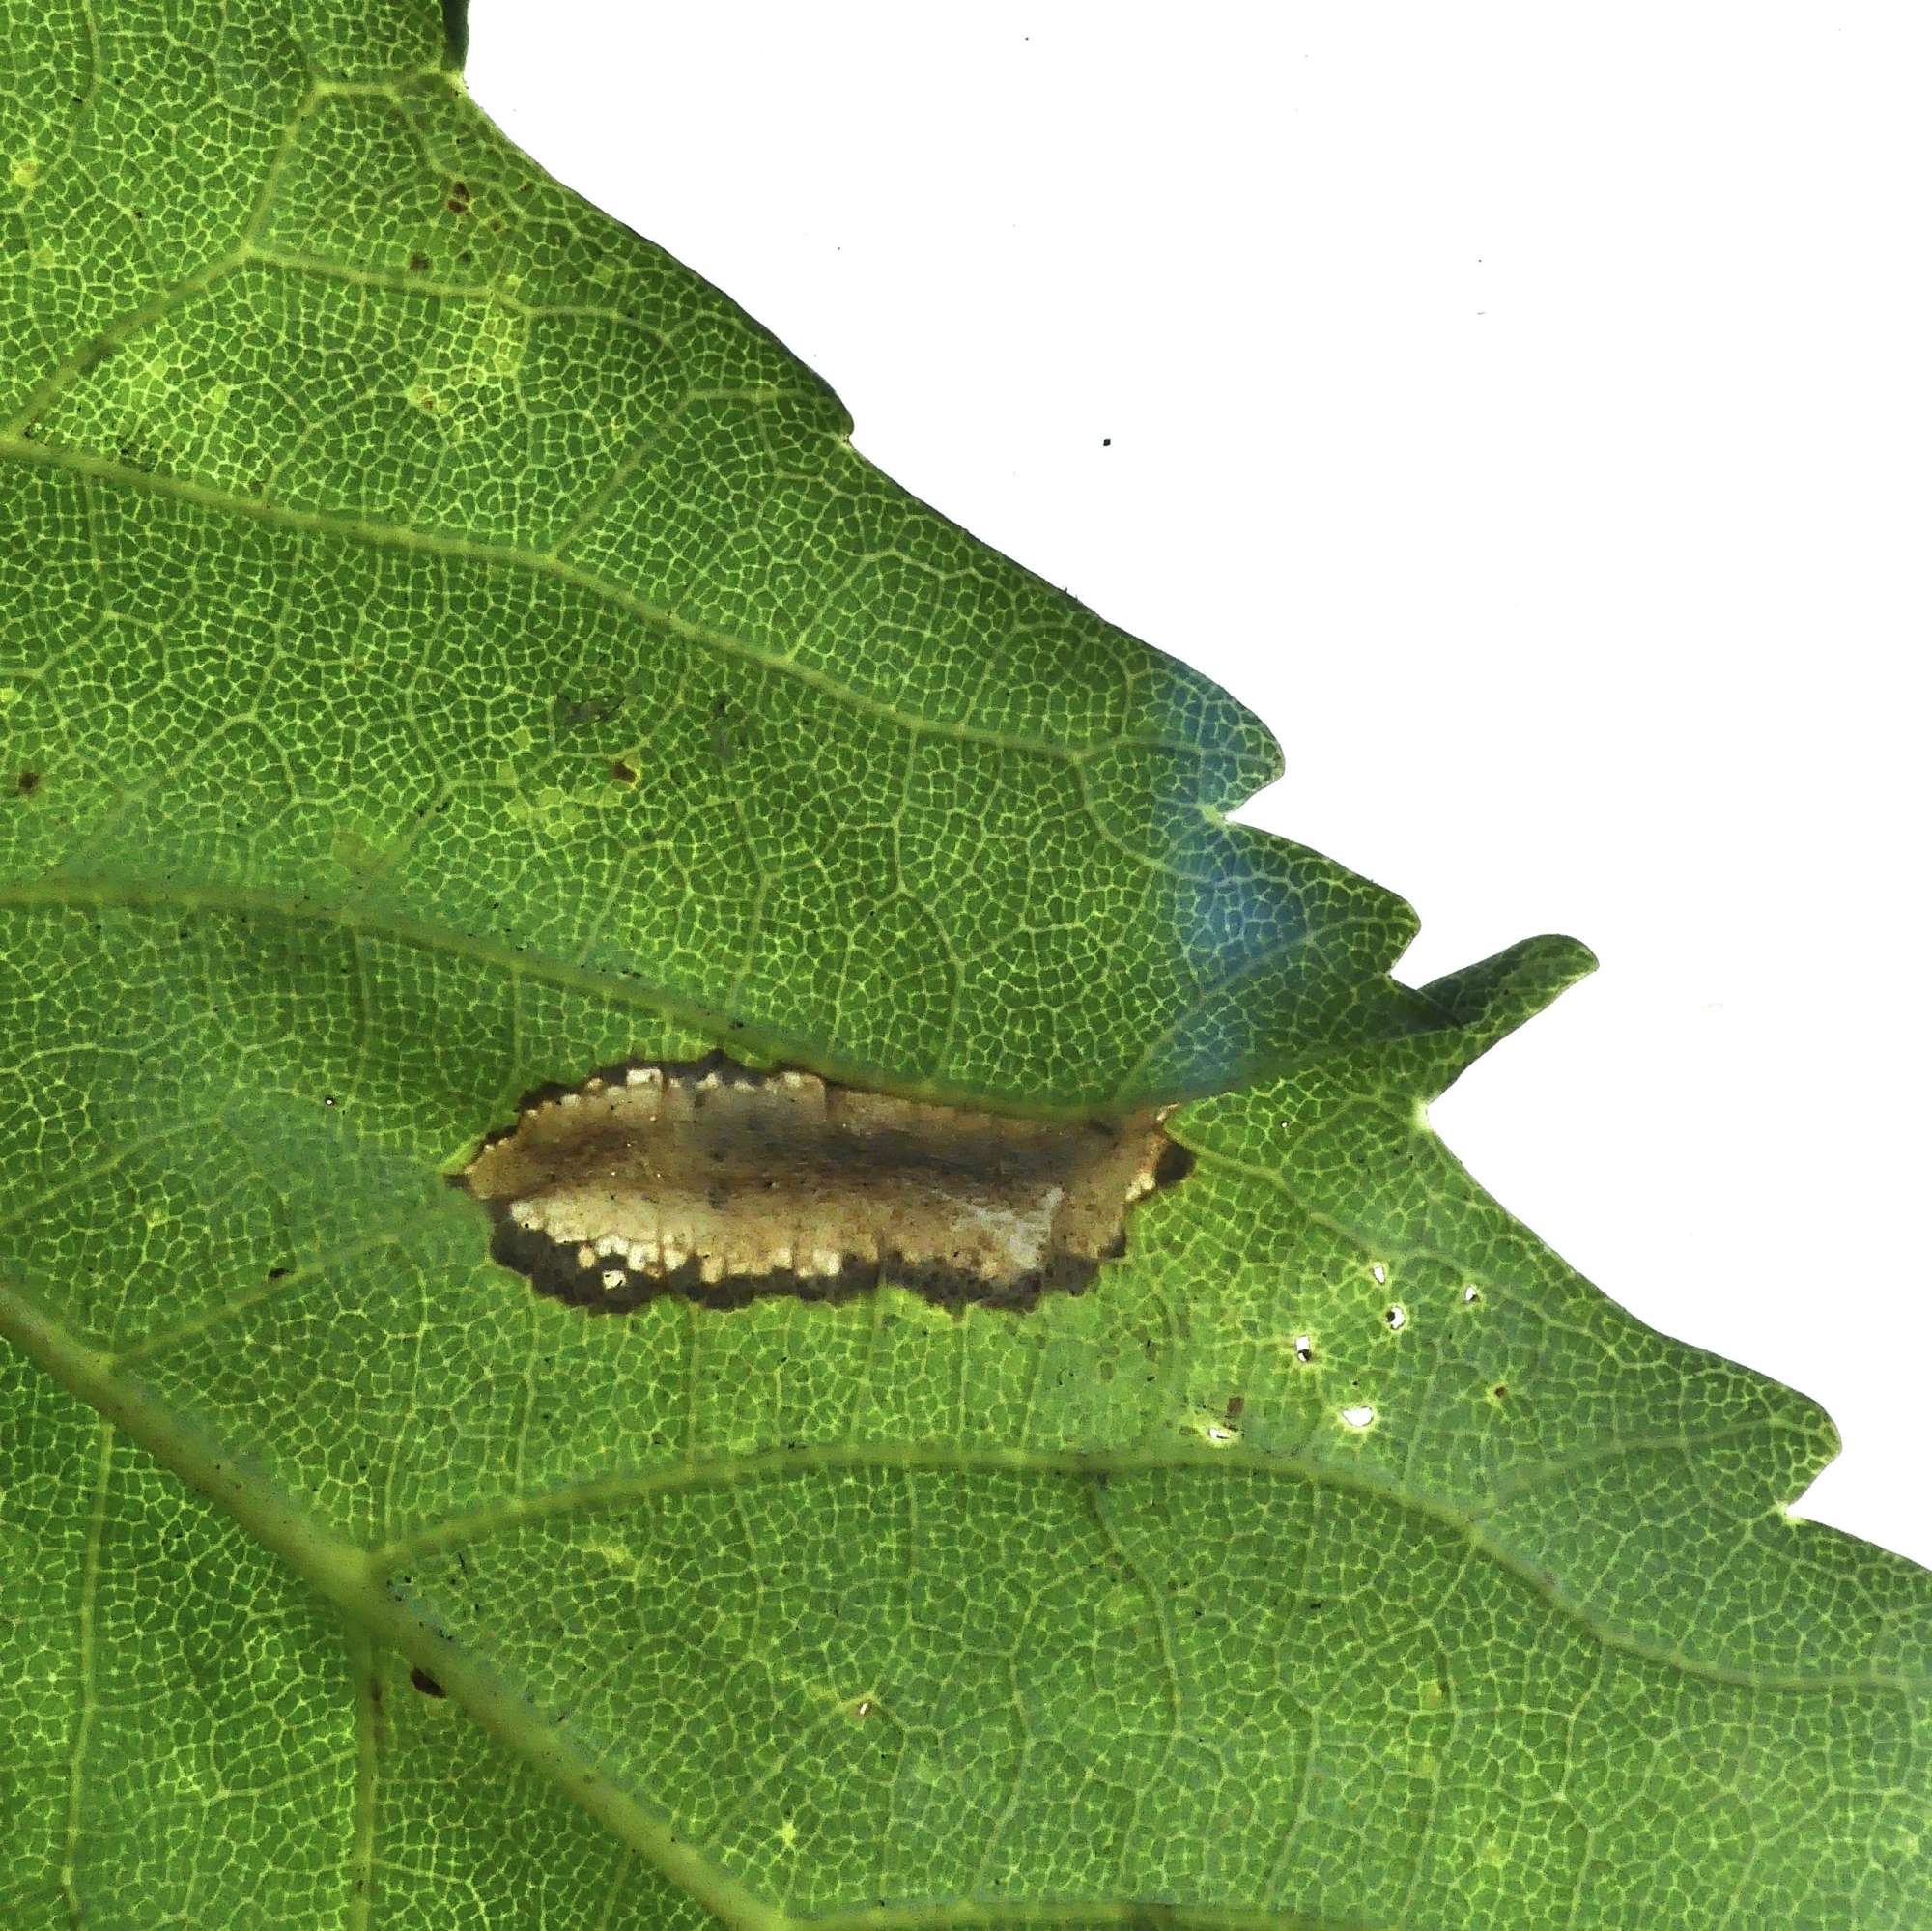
1525 409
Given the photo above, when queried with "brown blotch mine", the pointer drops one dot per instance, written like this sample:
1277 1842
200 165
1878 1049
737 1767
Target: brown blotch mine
27 783
710 1180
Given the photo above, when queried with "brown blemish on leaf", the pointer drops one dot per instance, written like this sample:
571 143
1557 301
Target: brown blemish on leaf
426 1682
418 265
27 783
459 197
622 773
707 1180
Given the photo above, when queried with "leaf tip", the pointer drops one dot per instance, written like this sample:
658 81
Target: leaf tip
1486 1002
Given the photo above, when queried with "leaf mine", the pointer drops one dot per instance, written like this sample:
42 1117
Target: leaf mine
712 1180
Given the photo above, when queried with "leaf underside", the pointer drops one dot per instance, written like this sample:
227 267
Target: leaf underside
449 649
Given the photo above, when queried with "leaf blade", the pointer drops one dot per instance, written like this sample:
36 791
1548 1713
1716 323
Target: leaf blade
281 952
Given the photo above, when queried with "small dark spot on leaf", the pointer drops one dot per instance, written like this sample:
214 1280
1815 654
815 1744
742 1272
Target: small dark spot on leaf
573 713
27 783
419 263
427 1683
459 198
622 773
1237 1407
1500 1390
280 1273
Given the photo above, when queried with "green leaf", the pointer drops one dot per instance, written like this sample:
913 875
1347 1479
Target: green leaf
449 649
